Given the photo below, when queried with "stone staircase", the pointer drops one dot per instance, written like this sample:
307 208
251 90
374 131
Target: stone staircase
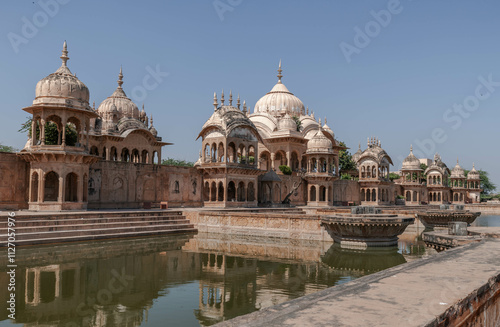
83 226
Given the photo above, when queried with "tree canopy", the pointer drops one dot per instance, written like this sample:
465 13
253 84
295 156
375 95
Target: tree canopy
7 148
51 132
345 160
177 162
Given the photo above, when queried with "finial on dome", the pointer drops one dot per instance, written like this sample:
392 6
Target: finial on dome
222 98
230 97
379 143
325 120
64 55
307 111
279 72
411 148
120 77
93 105
238 101
215 101
368 141
359 146
151 120
457 160
244 106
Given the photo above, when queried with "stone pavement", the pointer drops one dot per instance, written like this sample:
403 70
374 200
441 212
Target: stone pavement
420 293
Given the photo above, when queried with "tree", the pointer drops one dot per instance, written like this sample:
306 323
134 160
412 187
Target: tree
51 132
487 185
298 122
177 162
423 176
285 169
7 148
393 176
345 160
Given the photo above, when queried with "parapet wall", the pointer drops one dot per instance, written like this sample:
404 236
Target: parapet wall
294 226
14 181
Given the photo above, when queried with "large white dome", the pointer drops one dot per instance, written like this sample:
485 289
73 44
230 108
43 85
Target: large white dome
279 101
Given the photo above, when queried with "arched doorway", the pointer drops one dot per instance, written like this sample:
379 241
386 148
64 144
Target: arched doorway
71 188
51 187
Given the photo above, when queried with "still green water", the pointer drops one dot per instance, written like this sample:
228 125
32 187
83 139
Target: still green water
188 280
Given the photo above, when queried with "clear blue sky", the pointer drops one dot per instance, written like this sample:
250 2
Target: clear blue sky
398 87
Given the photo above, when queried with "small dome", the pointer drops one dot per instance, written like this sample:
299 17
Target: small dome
473 174
355 157
287 124
62 88
411 162
319 143
119 103
326 128
279 101
457 171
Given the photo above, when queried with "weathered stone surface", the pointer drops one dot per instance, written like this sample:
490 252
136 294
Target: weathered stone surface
419 293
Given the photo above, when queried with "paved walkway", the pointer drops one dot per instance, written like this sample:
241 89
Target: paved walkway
411 294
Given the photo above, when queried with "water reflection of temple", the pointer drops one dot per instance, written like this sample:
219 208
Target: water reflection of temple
115 283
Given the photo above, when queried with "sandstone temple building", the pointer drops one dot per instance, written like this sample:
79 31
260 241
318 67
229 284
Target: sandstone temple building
78 157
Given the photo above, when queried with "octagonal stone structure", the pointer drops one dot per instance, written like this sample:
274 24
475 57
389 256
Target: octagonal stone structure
365 230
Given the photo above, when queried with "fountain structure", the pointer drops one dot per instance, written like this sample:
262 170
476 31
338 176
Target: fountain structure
365 227
446 215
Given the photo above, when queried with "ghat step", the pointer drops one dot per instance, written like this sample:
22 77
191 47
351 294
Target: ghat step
68 227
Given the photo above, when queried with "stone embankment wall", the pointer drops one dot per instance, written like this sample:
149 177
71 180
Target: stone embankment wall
13 182
294 226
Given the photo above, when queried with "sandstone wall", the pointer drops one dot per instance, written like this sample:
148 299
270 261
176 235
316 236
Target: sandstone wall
14 182
114 184
345 191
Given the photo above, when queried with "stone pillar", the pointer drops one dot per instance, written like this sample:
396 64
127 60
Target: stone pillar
272 161
216 192
60 197
42 131
288 159
326 194
41 186
33 132
108 153
63 135
210 192
79 188
317 193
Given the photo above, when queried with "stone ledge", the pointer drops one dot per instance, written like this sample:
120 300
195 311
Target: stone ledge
427 292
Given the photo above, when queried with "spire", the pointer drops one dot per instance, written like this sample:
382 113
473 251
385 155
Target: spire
143 108
64 55
120 78
244 105
411 149
307 111
93 105
230 97
215 101
279 72
325 120
319 125
359 146
151 119
238 101
368 141
222 98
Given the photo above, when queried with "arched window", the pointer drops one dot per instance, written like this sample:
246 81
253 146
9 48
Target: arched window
71 189
51 187
220 195
176 187
213 192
